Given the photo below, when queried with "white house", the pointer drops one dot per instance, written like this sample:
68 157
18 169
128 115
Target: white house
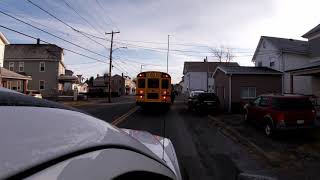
282 55
3 43
199 75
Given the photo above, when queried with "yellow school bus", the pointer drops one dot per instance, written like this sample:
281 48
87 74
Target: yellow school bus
153 87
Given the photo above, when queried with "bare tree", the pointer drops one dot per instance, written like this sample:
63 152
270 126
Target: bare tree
223 54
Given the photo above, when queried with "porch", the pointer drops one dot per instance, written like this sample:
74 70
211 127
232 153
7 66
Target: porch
14 81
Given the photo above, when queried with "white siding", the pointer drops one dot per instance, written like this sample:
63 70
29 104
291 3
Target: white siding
292 61
267 53
316 86
301 84
2 46
197 81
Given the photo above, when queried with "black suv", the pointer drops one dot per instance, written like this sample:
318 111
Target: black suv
203 102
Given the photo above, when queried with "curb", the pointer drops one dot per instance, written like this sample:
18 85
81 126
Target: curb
237 137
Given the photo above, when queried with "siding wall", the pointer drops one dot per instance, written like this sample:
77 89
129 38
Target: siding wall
264 84
197 81
301 84
32 68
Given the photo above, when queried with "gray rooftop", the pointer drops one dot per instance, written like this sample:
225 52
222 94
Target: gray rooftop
289 45
248 70
33 51
312 32
5 73
205 66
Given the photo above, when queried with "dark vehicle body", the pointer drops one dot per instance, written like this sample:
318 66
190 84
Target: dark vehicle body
281 112
204 102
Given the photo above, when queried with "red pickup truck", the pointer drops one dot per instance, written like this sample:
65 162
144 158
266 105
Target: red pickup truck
281 112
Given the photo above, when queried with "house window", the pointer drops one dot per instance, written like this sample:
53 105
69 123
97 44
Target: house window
21 66
259 64
11 66
248 92
42 67
41 85
272 64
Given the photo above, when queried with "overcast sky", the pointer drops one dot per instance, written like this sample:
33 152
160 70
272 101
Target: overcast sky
194 27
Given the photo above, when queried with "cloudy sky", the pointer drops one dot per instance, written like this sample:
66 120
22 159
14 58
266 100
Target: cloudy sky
194 27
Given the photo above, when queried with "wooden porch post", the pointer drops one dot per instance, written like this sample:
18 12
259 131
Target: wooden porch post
25 86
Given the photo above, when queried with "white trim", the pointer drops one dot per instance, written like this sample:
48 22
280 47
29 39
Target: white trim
220 70
44 84
21 64
44 66
4 39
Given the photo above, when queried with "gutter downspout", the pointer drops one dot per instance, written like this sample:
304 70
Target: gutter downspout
230 94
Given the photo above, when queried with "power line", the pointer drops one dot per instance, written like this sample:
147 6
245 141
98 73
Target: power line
84 19
105 11
74 29
21 33
52 34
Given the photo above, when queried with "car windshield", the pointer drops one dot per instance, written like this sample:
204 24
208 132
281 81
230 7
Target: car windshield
292 103
194 89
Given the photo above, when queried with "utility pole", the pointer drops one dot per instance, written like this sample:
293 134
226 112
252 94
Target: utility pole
110 64
168 53
141 68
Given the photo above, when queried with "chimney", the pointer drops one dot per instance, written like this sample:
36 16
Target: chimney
38 41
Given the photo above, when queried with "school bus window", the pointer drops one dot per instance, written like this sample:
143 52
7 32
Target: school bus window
165 83
141 83
153 83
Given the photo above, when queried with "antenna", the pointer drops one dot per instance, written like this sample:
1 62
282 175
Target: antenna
164 120
164 137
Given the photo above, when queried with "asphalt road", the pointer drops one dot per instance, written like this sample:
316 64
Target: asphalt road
203 151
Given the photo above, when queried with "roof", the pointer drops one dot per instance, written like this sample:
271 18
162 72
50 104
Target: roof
312 31
4 39
290 45
248 70
205 66
5 73
33 52
49 133
285 45
315 64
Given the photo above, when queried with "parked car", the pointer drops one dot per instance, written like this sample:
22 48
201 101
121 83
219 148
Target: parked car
41 139
204 102
281 112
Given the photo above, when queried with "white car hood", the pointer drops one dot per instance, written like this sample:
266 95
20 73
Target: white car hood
155 144
30 136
